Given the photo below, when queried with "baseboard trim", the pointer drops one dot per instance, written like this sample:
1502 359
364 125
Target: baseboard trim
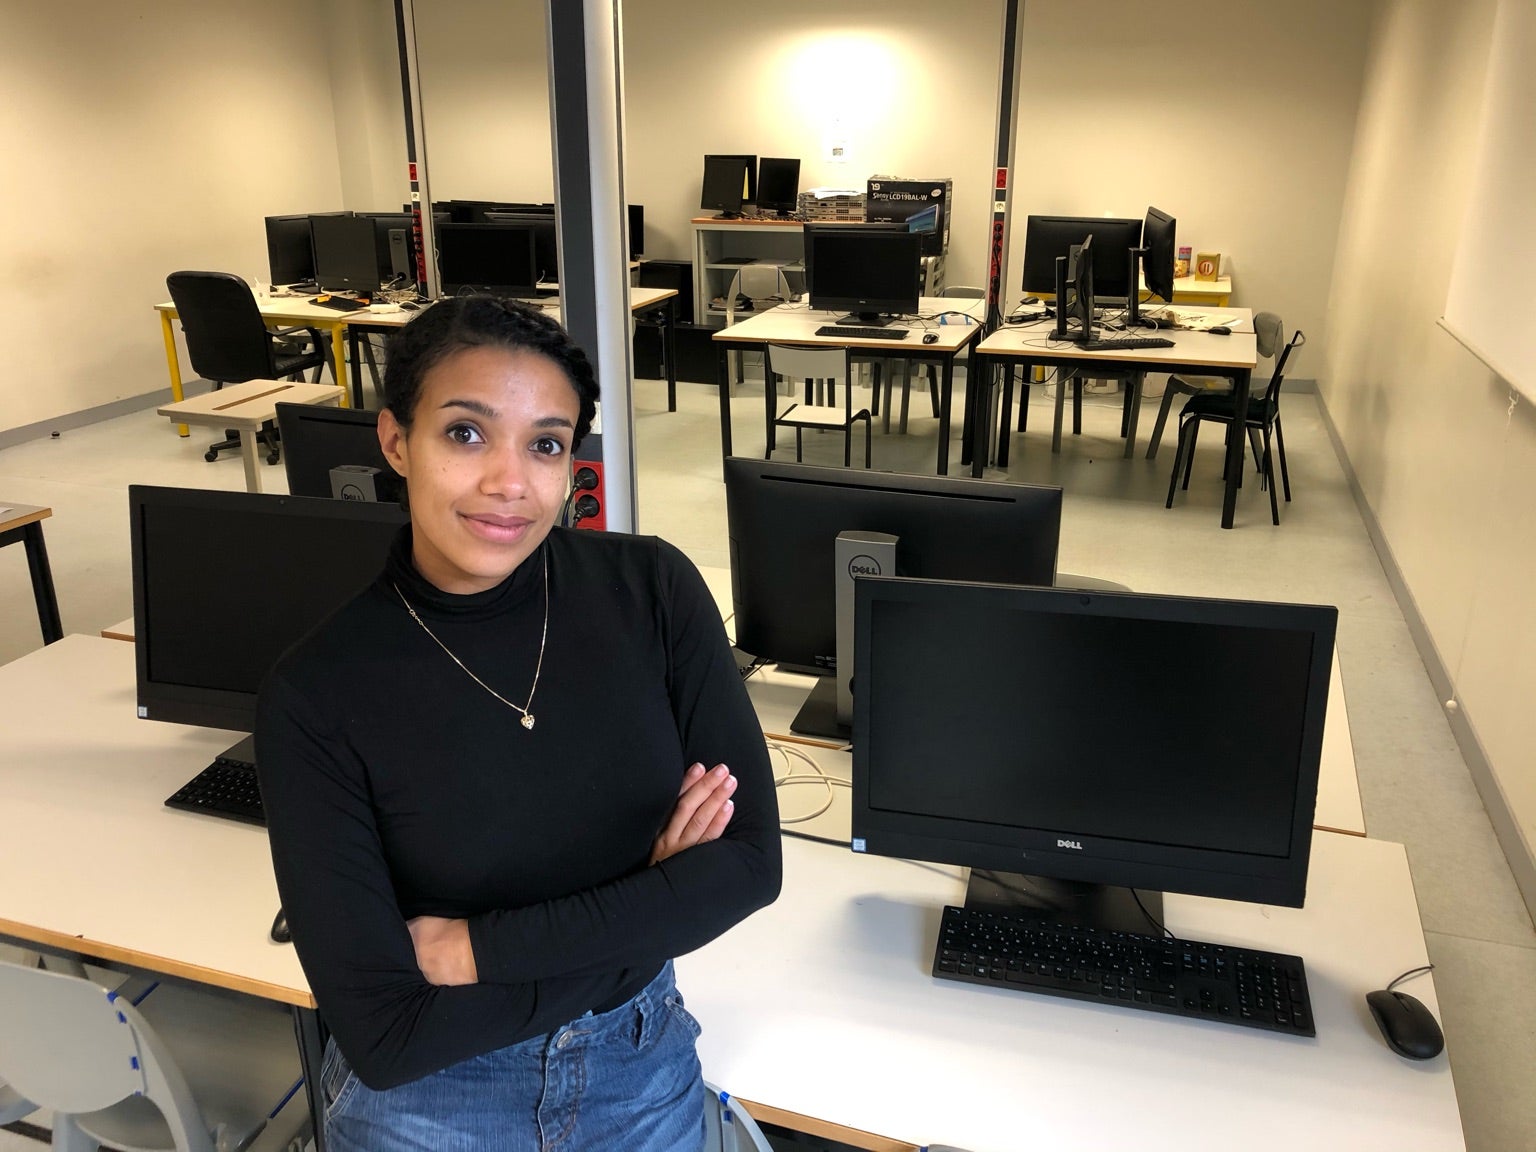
69 421
1522 861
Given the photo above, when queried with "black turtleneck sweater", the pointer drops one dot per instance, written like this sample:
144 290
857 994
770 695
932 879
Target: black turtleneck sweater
395 786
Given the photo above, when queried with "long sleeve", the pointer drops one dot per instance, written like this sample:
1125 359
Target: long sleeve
686 901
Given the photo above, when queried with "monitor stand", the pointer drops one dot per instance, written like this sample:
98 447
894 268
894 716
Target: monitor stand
818 715
864 319
1064 902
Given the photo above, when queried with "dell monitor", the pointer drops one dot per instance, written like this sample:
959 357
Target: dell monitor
225 582
1074 292
729 182
1047 237
867 270
496 259
346 254
783 521
1156 261
778 184
1052 742
393 244
546 241
334 453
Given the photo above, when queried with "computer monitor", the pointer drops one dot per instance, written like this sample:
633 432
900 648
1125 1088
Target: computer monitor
778 184
1158 238
346 253
636 230
783 520
1098 742
393 243
863 269
317 439
546 241
290 252
490 258
225 582
1047 237
729 182
1075 292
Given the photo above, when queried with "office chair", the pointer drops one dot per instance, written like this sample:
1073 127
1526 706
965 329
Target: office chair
110 1078
813 364
728 1127
228 342
1263 417
1269 332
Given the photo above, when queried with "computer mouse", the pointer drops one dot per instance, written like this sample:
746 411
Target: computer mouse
931 338
280 933
1409 1028
1030 300
1220 330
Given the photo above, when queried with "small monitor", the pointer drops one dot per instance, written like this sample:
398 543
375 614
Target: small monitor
867 270
317 439
546 241
1047 237
636 230
346 254
729 182
778 184
225 582
290 252
1051 741
491 258
1158 240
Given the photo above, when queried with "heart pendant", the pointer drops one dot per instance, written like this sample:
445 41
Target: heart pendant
528 720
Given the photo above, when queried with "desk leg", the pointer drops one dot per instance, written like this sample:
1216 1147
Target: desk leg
1005 412
946 409
669 351
1237 443
250 456
723 378
373 371
42 583
310 1034
172 362
1062 385
1133 415
339 351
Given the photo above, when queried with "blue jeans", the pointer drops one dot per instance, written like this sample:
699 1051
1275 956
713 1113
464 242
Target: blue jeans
626 1079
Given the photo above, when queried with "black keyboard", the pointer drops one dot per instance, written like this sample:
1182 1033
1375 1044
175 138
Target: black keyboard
339 303
226 788
851 333
1115 343
1177 977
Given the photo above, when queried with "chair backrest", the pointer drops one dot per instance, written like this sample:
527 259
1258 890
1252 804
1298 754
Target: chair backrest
801 362
1269 332
73 1047
226 337
1284 360
728 1127
963 292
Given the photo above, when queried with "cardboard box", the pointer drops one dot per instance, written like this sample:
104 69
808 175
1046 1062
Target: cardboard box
892 199
1207 265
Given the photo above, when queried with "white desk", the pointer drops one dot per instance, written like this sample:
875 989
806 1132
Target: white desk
246 407
797 324
821 1005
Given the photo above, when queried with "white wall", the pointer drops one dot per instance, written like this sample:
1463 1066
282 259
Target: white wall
364 59
138 140
1444 465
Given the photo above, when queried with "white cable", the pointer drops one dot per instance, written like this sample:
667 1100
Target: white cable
816 776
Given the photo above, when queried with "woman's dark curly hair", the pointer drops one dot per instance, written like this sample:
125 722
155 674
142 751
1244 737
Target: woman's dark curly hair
462 322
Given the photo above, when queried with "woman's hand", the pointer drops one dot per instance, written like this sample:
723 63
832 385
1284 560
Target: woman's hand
443 950
704 808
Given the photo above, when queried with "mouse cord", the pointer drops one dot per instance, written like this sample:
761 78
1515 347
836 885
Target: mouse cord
1410 972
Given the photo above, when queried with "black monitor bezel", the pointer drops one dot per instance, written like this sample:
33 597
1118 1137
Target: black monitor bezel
452 285
284 237
907 303
773 590
296 422
1158 259
717 167
1133 864
1047 237
786 170
346 260
546 240
203 706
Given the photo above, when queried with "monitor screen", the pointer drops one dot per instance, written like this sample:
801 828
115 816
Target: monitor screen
493 258
778 184
290 253
783 518
317 439
1107 739
729 182
546 241
346 253
1158 238
865 269
225 582
1047 237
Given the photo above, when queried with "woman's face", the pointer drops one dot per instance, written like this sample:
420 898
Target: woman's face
486 463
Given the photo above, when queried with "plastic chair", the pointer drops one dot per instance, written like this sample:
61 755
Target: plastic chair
754 283
1263 417
108 1076
810 364
728 1128
229 342
1268 332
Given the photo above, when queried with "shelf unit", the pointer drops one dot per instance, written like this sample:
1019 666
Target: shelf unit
716 241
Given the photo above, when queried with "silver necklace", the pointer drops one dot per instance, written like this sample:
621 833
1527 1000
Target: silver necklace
524 711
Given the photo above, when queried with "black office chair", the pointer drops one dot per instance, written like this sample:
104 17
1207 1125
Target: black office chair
229 342
1263 418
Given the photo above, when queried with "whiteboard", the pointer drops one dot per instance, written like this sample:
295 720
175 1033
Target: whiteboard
1491 303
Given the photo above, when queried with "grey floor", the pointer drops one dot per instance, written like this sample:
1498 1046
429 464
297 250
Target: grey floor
1413 782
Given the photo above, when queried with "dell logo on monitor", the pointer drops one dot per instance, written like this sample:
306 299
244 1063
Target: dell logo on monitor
1077 844
862 565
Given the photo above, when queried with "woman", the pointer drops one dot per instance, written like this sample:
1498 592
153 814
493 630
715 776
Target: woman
485 781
